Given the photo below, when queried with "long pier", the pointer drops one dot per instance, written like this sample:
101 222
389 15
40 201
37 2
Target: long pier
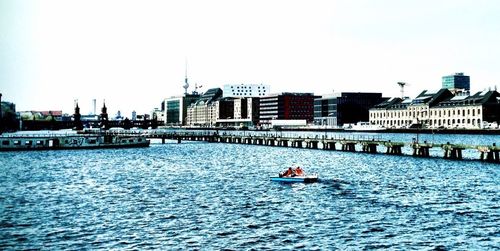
487 153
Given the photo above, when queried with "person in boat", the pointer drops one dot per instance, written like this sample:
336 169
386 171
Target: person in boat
299 171
289 172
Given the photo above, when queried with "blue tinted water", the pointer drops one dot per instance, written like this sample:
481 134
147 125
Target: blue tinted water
197 195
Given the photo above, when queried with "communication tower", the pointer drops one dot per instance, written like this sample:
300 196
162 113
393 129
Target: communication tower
186 84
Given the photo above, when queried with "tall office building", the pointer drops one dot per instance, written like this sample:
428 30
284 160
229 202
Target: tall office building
456 82
286 106
344 108
176 108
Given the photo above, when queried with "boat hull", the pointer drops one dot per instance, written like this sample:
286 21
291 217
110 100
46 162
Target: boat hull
303 179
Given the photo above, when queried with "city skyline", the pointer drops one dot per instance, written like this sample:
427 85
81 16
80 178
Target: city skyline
133 54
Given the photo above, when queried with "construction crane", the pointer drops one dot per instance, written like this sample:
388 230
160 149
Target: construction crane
402 85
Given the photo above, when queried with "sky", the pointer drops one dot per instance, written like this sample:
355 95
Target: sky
133 54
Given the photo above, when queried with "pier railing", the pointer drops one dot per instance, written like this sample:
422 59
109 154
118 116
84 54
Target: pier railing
326 141
350 143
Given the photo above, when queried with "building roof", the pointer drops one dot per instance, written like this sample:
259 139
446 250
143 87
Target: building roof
209 96
432 98
289 94
388 103
480 98
53 113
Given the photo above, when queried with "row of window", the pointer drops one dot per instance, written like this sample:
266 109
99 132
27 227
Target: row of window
245 87
243 94
26 143
432 122
438 113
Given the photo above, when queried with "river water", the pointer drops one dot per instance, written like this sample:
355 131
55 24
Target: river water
198 195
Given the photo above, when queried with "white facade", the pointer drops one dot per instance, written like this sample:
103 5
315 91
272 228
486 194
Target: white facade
440 116
456 117
202 114
242 90
237 108
160 115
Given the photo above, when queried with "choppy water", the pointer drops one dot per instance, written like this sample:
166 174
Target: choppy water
198 195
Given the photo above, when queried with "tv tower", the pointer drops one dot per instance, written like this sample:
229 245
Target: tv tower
186 84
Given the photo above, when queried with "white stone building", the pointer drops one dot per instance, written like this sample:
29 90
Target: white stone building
439 110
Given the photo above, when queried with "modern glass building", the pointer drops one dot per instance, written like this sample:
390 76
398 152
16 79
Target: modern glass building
176 108
456 81
344 108
325 110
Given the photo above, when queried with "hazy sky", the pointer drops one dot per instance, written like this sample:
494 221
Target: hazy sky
132 53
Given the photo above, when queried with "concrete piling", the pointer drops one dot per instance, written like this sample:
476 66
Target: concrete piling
487 153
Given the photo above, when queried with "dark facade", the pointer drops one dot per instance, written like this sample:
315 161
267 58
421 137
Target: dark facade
287 106
345 108
8 118
226 108
491 105
255 110
456 81
173 111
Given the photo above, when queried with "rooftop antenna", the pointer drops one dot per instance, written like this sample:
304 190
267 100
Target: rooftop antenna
196 87
186 84
402 85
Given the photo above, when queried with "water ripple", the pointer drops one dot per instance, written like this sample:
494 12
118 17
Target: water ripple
218 196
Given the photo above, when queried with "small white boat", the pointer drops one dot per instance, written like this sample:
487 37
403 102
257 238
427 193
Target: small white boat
364 126
305 178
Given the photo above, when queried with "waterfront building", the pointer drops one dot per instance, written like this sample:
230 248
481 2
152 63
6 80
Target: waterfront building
338 109
408 113
476 111
245 113
41 115
286 106
246 90
8 117
204 111
158 114
391 113
456 82
175 108
439 109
